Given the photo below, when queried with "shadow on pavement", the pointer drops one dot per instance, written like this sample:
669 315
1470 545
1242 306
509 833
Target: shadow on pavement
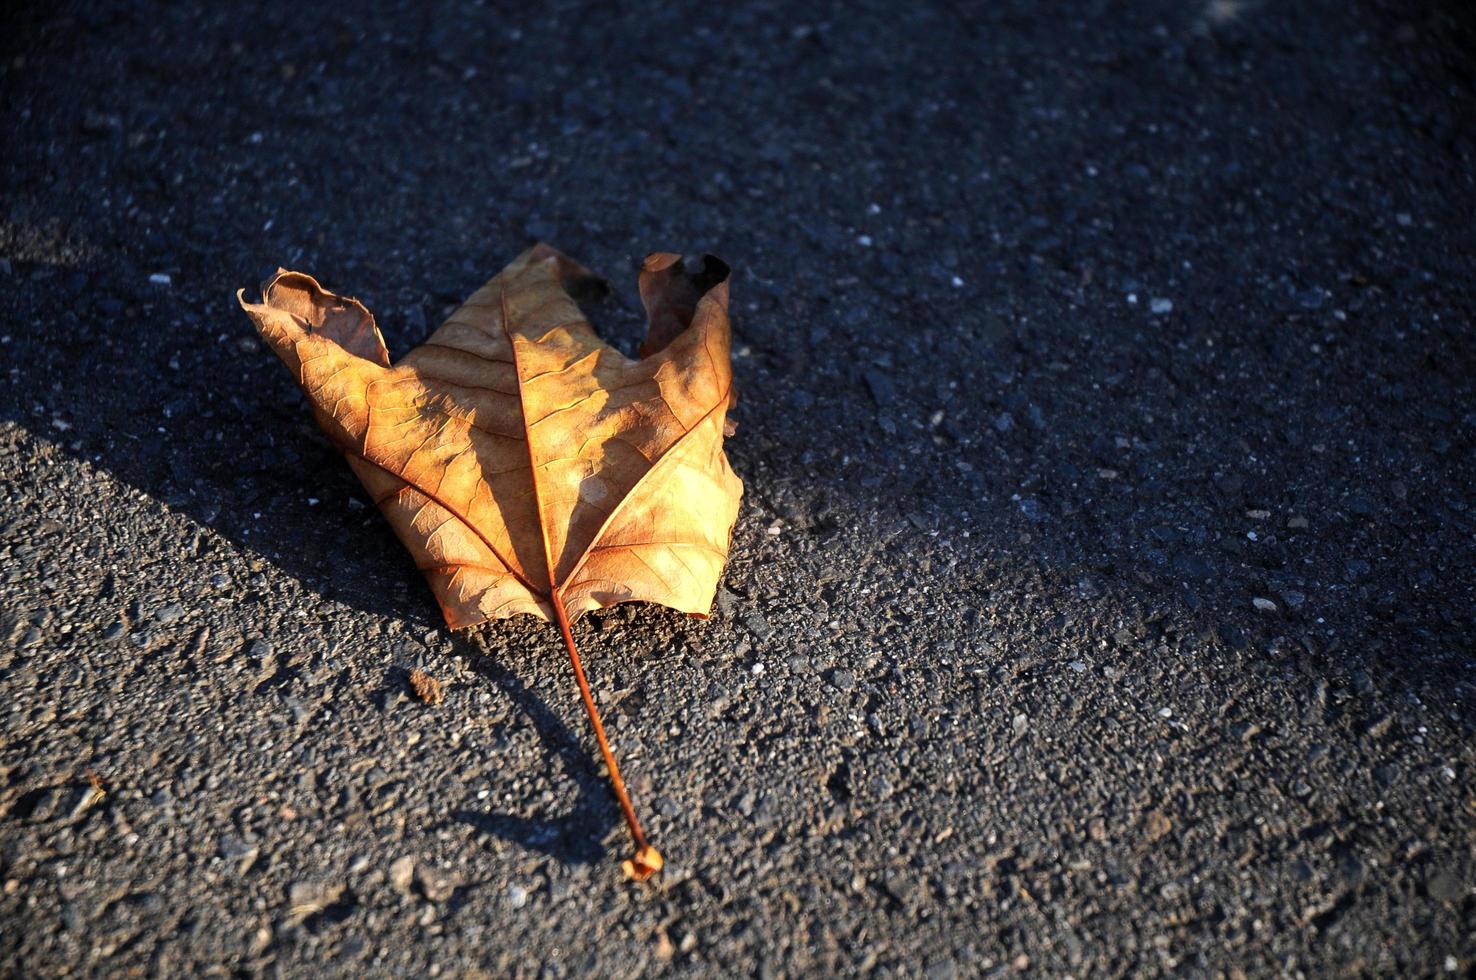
575 837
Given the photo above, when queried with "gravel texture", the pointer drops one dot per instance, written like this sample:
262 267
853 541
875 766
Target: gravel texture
1102 599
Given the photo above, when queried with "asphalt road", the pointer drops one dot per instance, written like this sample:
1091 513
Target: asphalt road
1102 598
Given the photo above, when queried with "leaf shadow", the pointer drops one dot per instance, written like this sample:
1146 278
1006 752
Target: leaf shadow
575 836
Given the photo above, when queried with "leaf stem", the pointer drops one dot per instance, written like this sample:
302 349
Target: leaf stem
647 860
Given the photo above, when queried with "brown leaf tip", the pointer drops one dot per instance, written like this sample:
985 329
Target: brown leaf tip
644 863
426 687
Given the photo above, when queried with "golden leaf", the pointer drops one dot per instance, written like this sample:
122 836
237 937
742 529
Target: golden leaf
528 466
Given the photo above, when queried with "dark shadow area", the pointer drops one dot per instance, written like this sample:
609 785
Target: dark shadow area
575 837
1127 295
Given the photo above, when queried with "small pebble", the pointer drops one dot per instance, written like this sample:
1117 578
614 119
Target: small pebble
1156 825
727 603
243 853
1032 510
1444 886
402 872
307 898
1246 730
883 392
1161 306
159 279
427 688
1264 605
437 885
942 970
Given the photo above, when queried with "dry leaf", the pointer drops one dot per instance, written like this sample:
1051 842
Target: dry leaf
426 687
528 466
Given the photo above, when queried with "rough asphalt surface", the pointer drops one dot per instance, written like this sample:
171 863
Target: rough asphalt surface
1102 599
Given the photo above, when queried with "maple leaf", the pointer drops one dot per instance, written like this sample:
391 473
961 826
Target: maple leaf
528 466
